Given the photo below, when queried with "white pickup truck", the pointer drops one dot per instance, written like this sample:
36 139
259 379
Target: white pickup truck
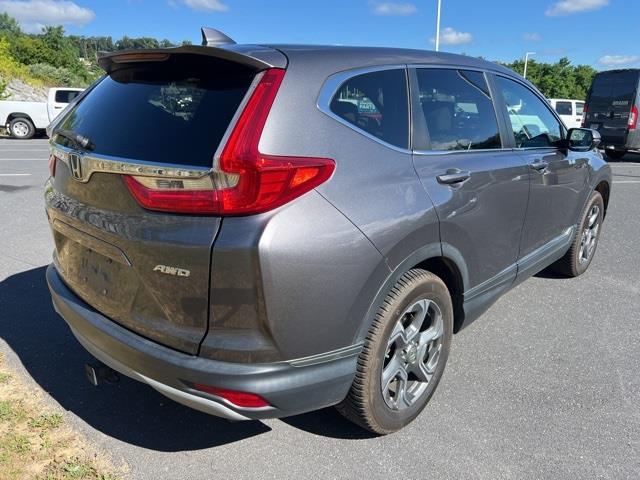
22 119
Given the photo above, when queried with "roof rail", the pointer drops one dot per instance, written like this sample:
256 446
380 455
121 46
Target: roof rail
214 38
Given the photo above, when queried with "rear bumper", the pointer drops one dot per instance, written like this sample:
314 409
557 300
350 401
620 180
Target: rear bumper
290 387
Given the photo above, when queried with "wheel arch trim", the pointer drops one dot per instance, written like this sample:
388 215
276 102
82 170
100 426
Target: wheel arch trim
433 251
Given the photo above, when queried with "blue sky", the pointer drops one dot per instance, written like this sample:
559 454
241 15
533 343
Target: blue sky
601 33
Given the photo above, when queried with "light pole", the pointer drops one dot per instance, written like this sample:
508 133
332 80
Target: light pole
526 61
438 26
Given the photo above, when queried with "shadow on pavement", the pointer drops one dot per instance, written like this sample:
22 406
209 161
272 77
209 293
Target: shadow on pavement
129 411
328 423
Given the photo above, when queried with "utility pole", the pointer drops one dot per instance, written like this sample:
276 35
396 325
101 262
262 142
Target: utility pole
438 26
526 61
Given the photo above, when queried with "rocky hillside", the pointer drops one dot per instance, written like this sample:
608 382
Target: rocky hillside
17 89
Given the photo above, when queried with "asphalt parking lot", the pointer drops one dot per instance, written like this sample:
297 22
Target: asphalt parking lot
544 385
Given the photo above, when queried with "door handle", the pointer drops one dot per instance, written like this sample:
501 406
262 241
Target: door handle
452 176
539 165
57 107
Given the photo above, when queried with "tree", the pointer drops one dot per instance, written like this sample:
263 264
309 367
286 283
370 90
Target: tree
557 80
9 26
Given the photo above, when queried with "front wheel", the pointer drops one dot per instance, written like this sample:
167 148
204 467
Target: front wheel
576 261
21 128
403 356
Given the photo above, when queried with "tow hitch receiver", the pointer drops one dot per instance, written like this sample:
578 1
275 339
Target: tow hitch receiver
97 372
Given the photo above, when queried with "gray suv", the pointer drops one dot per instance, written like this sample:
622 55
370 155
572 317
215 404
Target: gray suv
260 231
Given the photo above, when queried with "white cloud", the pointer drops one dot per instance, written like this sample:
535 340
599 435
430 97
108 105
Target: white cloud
393 8
206 5
618 59
532 37
450 36
569 7
33 15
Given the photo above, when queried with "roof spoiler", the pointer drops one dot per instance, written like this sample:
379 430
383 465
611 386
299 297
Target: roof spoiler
214 38
248 57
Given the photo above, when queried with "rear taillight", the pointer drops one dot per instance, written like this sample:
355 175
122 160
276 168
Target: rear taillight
239 399
584 116
173 194
244 181
633 118
52 165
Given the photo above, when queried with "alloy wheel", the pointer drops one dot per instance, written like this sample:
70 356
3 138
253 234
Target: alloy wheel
412 354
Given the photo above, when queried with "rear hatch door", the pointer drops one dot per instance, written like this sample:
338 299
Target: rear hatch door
156 114
612 97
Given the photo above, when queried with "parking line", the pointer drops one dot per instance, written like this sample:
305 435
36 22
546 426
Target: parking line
626 181
24 159
15 174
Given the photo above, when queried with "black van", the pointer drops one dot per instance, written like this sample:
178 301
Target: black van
612 109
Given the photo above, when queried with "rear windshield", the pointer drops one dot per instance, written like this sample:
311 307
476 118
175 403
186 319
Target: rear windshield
615 90
173 111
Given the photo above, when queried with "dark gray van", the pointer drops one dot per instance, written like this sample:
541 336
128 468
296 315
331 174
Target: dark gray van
612 109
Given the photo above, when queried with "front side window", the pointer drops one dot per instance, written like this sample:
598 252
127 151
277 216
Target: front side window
377 103
564 108
532 122
457 109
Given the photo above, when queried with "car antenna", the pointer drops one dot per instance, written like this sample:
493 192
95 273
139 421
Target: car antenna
214 38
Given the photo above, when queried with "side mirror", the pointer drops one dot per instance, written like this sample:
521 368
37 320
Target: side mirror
582 139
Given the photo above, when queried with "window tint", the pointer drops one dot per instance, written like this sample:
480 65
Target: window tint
532 122
175 111
458 110
65 96
579 108
564 108
377 103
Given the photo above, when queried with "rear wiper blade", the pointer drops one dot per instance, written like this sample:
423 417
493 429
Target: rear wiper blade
76 138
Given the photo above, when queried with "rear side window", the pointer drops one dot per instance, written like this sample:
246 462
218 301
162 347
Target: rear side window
564 108
377 103
579 108
175 111
66 96
532 122
458 110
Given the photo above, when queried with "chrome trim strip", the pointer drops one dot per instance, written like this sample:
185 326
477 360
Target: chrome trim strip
502 277
540 254
330 88
344 352
427 153
93 163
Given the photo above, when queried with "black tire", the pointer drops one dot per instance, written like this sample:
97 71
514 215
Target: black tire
365 404
573 263
21 128
615 154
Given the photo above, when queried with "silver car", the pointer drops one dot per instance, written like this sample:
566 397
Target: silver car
263 230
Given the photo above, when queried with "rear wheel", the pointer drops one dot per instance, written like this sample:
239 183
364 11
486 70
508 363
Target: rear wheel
404 355
615 154
21 128
576 261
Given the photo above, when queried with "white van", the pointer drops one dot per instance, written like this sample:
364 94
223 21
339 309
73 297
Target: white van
570 111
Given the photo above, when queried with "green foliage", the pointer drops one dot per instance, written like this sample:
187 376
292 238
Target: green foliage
56 59
8 25
557 80
3 95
